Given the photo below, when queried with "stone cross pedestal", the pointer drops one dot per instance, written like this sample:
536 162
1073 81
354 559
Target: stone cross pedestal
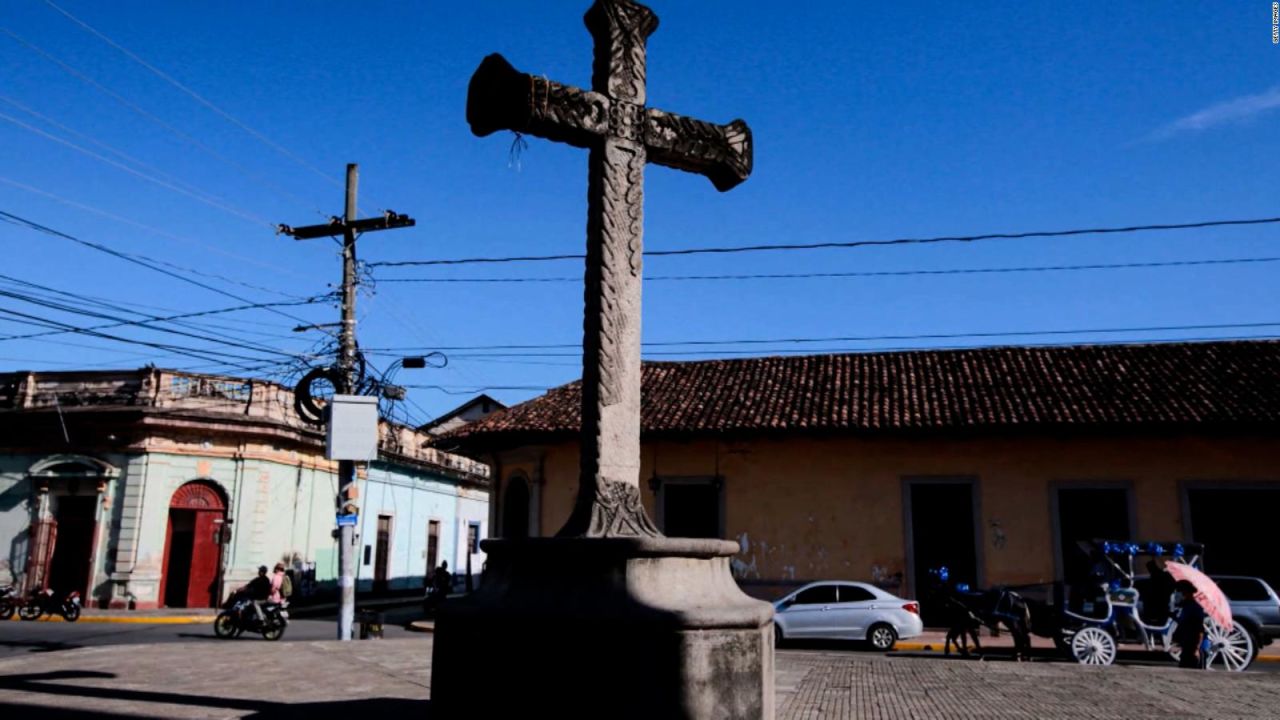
609 618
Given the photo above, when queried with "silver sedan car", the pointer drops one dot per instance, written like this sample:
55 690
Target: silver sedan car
839 610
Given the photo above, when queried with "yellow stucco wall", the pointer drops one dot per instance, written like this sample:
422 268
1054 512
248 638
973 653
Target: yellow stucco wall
809 508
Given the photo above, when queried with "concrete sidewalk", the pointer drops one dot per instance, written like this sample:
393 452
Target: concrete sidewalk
189 616
258 679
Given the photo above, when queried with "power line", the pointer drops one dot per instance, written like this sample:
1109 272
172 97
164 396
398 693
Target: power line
198 195
109 148
850 244
864 273
31 289
940 348
165 234
813 340
156 319
120 322
17 219
424 417
198 97
453 390
124 353
458 390
72 71
33 361
201 354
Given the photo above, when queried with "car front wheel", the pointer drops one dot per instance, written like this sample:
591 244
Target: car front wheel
882 637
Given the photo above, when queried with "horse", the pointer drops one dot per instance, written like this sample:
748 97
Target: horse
959 620
1001 606
965 610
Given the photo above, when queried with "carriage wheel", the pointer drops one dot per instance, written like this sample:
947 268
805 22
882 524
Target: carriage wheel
1093 646
1228 649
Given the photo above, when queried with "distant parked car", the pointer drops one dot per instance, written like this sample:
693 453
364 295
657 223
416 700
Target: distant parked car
838 610
1254 604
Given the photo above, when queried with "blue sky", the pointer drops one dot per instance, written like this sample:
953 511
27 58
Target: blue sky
870 121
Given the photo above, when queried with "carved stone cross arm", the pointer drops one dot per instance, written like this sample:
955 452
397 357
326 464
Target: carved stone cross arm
622 135
721 152
503 98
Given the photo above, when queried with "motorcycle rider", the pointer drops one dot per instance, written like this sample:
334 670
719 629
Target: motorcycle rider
260 590
278 581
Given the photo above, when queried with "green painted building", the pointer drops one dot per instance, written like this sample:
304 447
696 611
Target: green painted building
153 488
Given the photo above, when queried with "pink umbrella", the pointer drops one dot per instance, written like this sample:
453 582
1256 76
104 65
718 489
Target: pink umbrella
1208 594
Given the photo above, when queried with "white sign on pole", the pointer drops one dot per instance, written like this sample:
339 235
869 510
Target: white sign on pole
353 428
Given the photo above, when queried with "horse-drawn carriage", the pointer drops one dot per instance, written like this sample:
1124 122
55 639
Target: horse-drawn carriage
1117 606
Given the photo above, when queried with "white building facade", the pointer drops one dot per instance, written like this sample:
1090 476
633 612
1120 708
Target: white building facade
153 488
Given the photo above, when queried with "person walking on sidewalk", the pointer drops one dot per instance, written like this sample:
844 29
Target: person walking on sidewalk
441 584
1190 630
443 580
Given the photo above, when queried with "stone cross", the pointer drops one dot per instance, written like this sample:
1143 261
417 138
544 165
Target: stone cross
612 122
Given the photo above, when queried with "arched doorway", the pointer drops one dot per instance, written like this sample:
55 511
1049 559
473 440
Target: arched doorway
192 547
63 536
515 509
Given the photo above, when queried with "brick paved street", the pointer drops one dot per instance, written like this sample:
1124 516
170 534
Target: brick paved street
248 678
256 679
854 685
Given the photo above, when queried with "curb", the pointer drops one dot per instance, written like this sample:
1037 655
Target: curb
929 647
153 620
421 626
301 611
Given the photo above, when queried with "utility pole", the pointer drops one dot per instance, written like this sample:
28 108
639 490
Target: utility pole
348 226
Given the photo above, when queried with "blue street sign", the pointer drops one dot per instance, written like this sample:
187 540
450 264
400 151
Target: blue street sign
347 520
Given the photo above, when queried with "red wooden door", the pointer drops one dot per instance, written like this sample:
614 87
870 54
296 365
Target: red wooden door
195 561
205 555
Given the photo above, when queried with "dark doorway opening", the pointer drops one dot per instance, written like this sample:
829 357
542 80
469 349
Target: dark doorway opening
193 547
73 549
1236 526
382 564
433 547
943 534
691 510
182 537
515 509
1089 514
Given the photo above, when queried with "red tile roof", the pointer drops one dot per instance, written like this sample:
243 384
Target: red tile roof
1168 384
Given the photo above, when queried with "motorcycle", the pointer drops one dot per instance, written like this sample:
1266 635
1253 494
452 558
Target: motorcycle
44 602
238 616
8 602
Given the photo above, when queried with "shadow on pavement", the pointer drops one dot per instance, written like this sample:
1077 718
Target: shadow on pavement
53 683
1042 655
39 645
999 654
201 636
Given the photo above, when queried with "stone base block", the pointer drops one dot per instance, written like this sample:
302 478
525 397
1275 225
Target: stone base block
605 628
